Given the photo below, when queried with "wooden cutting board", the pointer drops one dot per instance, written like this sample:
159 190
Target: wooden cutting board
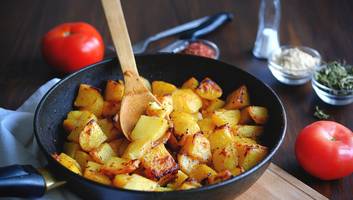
276 183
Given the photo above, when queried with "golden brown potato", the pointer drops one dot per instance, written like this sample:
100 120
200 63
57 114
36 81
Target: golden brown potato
116 165
109 129
186 163
185 100
207 126
158 162
160 110
221 138
68 162
149 128
202 172
103 153
184 123
114 91
222 117
249 131
76 119
191 83
244 140
91 136
257 114
180 178
211 106
225 158
89 98
189 184
92 172
70 148
110 108
161 88
137 148
197 146
134 182
236 171
238 99
221 176
250 154
208 89
82 158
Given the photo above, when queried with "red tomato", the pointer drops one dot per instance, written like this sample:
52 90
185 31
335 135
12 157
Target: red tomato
325 150
71 46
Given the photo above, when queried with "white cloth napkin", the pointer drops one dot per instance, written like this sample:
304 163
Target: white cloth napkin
17 141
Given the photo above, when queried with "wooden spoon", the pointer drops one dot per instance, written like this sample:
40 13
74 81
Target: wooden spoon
137 96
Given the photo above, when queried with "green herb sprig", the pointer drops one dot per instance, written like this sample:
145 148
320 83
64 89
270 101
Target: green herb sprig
320 114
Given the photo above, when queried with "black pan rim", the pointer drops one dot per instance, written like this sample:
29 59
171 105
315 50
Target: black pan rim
203 188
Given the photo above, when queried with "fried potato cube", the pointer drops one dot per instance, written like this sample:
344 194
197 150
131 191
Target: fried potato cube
180 178
97 177
221 176
137 148
208 89
256 113
68 162
185 100
186 163
250 154
236 171
160 110
207 126
93 166
103 153
187 185
158 162
244 140
109 129
74 135
149 128
91 136
82 158
191 83
202 172
116 165
221 138
221 117
184 123
161 88
198 147
89 98
110 108
134 182
249 131
225 158
77 118
70 148
211 106
238 99
114 90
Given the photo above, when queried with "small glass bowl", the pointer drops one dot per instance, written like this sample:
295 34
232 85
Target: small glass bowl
292 77
331 96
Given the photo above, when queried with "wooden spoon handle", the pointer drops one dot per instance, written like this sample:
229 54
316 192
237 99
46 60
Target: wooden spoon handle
118 30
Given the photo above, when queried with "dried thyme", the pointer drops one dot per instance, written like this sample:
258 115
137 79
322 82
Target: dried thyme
320 114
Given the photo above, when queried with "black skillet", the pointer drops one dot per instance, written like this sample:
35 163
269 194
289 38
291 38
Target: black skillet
26 181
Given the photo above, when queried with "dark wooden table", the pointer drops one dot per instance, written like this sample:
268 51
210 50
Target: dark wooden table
325 25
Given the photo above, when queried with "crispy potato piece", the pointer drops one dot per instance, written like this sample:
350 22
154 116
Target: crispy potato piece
238 99
137 148
103 153
93 166
185 100
202 172
221 117
236 171
168 178
158 162
68 162
162 110
221 138
221 176
191 83
249 131
208 89
109 129
250 154
164 139
211 106
244 140
180 178
161 88
93 173
149 128
134 182
91 136
173 143
114 90
189 184
116 165
89 98
184 123
225 158
110 108
198 147
70 148
76 119
207 126
186 163
82 158
257 114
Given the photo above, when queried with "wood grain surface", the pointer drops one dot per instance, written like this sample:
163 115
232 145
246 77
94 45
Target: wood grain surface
325 25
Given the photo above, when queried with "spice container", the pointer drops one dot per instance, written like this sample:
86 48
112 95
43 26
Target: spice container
199 47
294 65
333 83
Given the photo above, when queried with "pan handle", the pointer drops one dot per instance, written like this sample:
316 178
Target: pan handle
21 181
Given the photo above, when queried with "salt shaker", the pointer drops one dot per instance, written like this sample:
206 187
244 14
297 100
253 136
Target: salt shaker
267 34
